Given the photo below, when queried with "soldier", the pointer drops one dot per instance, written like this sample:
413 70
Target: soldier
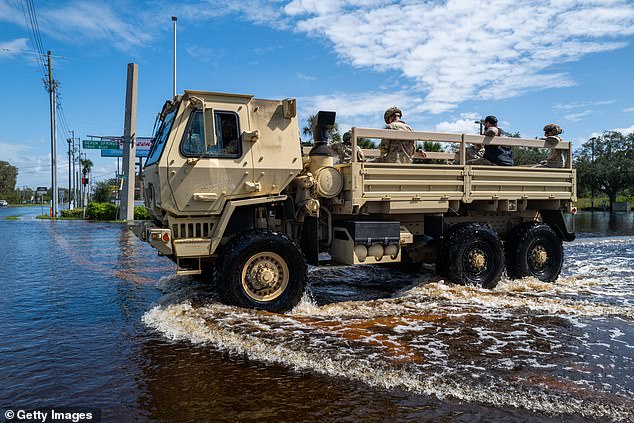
397 151
472 152
556 158
500 155
344 149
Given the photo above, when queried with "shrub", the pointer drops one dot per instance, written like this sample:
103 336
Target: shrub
141 213
101 211
77 213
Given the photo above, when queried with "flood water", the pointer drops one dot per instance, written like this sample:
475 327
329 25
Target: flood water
92 317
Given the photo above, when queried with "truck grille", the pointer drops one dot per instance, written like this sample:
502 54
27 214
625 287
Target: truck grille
191 230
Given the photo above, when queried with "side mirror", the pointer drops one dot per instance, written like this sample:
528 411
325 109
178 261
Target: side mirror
208 125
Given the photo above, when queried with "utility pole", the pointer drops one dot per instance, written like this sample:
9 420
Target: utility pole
70 170
593 170
129 143
52 93
174 19
79 172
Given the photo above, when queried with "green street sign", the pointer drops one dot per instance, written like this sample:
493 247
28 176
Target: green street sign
100 144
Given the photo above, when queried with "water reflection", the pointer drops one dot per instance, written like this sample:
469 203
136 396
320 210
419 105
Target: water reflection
604 224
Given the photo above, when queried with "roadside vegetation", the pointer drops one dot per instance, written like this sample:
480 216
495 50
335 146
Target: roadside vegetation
102 211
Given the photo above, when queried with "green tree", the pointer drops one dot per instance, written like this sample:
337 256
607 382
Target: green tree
523 156
606 164
104 191
307 130
8 178
365 143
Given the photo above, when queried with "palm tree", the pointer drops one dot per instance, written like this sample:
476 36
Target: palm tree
308 131
86 165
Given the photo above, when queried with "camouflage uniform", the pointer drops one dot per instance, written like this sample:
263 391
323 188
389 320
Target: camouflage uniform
471 153
344 149
556 158
397 151
344 152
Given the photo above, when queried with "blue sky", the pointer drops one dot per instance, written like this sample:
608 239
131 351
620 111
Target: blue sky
445 63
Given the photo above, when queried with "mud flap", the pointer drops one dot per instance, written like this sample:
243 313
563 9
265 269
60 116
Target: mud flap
555 218
310 240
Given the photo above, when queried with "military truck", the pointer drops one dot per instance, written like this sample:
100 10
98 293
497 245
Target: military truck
236 199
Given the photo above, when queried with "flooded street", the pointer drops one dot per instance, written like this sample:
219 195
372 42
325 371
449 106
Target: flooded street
92 317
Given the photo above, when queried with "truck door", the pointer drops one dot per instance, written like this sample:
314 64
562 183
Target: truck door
202 178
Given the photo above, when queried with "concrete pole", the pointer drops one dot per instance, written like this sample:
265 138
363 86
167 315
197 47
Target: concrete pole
129 143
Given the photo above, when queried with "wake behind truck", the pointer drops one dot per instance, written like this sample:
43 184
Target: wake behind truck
234 198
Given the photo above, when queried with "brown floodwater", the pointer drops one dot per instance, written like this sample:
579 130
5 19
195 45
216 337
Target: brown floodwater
92 317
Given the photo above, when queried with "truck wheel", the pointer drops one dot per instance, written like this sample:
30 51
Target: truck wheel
534 250
263 270
474 255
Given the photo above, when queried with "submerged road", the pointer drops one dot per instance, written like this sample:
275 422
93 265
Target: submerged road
91 317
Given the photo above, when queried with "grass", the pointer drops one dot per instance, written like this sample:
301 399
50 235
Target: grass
585 203
11 218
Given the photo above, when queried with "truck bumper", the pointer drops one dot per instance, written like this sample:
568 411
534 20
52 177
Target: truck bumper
159 238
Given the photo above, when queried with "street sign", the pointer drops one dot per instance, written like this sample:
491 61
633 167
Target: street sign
119 153
41 191
100 144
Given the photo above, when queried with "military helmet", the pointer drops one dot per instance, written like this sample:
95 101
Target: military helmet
347 137
491 119
391 112
553 127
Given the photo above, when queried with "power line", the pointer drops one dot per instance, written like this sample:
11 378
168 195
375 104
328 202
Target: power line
36 40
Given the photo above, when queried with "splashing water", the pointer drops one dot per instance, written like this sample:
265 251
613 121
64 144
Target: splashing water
558 349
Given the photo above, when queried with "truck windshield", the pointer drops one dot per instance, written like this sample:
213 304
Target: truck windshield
160 138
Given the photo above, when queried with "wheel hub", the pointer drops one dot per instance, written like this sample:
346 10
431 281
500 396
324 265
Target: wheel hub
539 256
265 276
477 260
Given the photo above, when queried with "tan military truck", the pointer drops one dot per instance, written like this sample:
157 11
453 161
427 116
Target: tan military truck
235 199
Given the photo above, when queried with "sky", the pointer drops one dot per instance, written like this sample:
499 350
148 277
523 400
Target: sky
444 63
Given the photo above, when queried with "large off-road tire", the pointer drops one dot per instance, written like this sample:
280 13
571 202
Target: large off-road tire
474 255
533 249
261 269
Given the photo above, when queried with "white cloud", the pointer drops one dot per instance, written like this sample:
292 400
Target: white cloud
82 22
576 117
305 77
625 131
369 104
458 50
581 105
13 47
266 50
95 22
629 109
465 125
202 54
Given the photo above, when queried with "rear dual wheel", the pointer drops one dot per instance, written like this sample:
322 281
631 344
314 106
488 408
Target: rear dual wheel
533 249
472 255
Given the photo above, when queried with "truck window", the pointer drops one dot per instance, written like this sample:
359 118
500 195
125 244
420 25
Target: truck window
160 138
227 132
